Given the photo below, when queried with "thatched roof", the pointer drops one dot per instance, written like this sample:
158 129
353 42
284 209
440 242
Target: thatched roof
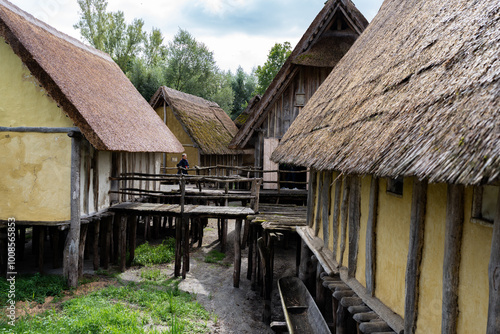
210 128
418 94
318 47
243 117
87 84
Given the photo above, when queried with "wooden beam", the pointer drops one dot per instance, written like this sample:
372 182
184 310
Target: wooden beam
311 192
325 204
494 276
317 217
417 224
73 240
354 221
452 255
336 215
237 253
371 237
343 215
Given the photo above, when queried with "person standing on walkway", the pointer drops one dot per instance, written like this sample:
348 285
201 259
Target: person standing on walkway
183 165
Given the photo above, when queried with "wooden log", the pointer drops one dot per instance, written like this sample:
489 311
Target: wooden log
250 250
132 222
223 235
374 327
255 258
72 241
156 227
365 316
371 236
95 245
317 217
244 240
202 225
336 215
237 253
185 253
178 246
451 265
355 309
320 290
351 301
354 222
339 294
344 209
311 194
267 286
417 225
41 247
81 248
122 242
493 325
54 238
325 207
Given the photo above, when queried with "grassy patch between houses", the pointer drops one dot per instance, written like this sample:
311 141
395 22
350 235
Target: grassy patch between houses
147 254
214 256
33 287
148 307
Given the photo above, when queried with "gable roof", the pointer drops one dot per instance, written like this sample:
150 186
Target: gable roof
210 128
318 47
418 94
88 85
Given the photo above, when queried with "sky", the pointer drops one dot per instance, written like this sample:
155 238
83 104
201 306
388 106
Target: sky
239 32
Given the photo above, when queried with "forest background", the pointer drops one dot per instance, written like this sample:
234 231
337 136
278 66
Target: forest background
183 63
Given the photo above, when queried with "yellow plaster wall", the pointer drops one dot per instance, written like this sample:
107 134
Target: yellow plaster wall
23 102
473 286
393 232
431 282
365 206
35 176
176 127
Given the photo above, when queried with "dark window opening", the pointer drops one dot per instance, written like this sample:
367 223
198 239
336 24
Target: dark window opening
395 186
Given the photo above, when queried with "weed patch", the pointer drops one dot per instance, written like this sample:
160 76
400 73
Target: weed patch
214 256
147 254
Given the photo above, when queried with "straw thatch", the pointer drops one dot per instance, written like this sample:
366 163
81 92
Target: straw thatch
319 47
418 94
87 84
243 117
210 128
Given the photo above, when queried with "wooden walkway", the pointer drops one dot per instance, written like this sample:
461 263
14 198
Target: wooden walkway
185 216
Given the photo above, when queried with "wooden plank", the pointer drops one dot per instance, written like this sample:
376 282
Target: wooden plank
311 193
451 265
417 225
325 205
81 250
73 239
317 216
336 215
354 221
493 326
371 236
237 253
95 245
344 209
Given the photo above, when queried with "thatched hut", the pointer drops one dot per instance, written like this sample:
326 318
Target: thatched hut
327 39
203 128
404 139
52 84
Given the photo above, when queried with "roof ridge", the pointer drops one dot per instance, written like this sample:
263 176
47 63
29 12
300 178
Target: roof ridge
30 18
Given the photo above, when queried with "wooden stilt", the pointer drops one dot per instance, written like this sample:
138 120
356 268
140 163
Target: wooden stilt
178 248
237 253
267 286
244 240
122 242
54 238
320 290
41 246
201 224
95 244
35 238
224 235
250 251
156 227
185 259
81 249
132 222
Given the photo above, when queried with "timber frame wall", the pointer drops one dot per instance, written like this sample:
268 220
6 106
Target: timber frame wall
415 259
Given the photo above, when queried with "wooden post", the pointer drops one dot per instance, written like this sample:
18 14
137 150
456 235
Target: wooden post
266 267
185 262
178 248
317 218
417 225
41 247
354 221
451 265
73 240
223 235
325 206
250 249
95 246
311 192
493 326
54 238
320 290
122 242
336 215
371 235
81 249
132 237
237 253
343 216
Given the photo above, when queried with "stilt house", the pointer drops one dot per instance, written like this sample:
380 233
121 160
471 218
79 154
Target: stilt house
325 42
203 128
403 139
52 85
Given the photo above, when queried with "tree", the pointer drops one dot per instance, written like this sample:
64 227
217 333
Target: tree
221 91
275 59
146 79
243 86
109 32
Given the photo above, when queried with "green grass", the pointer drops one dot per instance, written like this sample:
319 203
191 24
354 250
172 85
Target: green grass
34 287
134 308
214 256
152 274
147 254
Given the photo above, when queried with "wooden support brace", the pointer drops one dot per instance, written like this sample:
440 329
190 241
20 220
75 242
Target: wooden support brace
237 253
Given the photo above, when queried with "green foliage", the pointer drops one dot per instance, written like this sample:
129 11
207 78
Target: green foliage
152 274
34 287
214 256
146 79
275 59
243 86
146 254
135 308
